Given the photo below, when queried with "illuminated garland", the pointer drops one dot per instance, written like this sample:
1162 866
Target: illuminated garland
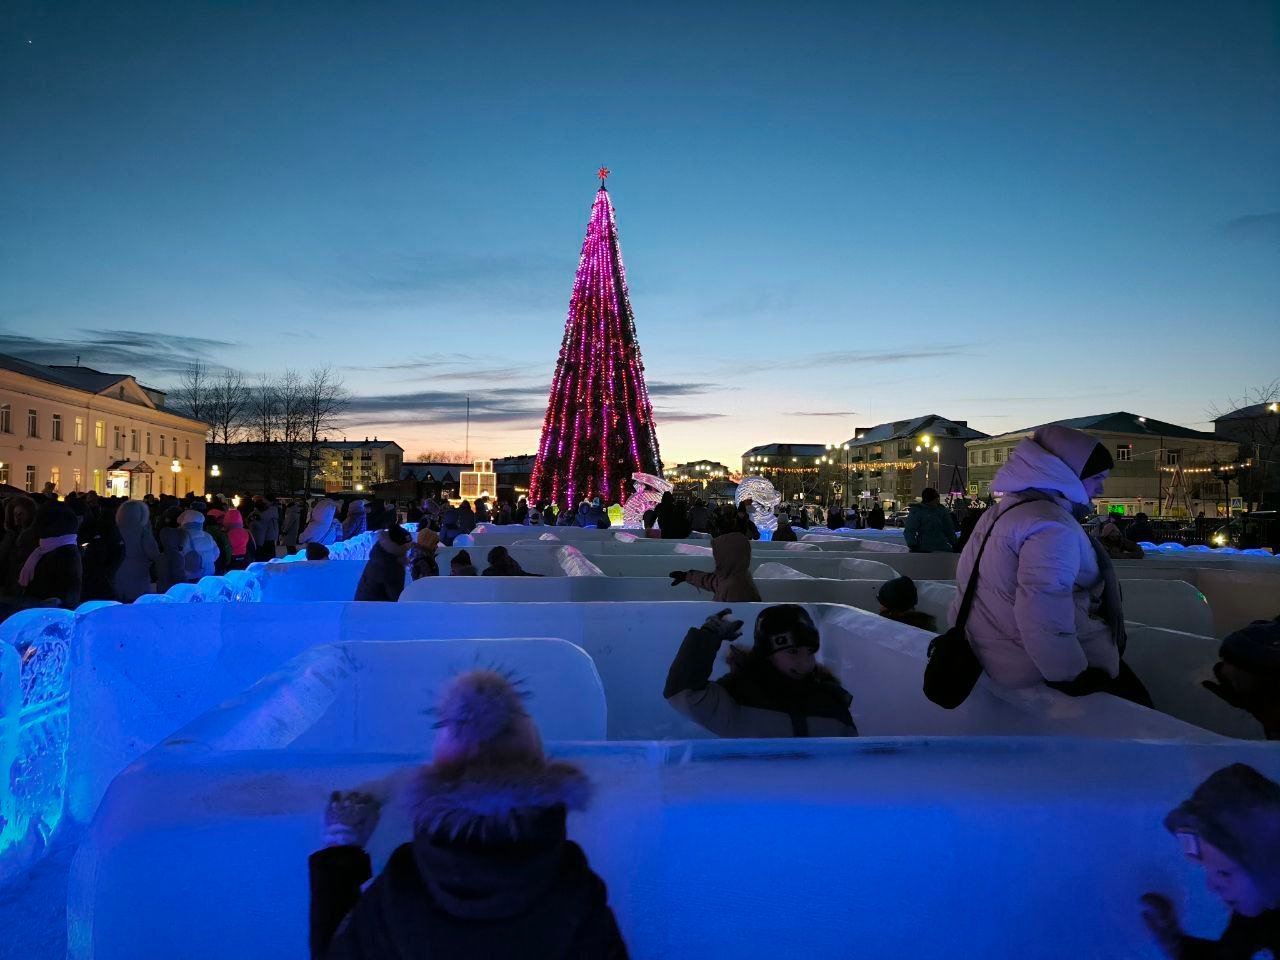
1221 468
599 427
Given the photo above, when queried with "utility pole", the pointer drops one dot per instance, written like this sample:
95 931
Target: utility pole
468 454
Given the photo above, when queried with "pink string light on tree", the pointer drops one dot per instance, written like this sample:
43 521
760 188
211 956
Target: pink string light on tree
599 427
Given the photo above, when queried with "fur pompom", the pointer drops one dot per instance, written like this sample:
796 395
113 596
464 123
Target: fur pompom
480 706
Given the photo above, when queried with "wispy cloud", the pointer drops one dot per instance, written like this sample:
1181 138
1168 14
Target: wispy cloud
860 358
142 353
1255 226
683 416
821 413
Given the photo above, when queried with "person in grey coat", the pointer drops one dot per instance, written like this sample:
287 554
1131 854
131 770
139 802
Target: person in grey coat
774 689
133 576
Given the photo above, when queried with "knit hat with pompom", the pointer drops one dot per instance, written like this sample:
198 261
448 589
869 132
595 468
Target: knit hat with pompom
483 714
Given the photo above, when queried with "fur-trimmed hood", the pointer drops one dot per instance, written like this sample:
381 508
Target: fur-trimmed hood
491 802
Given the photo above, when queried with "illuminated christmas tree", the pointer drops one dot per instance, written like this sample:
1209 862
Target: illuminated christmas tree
599 425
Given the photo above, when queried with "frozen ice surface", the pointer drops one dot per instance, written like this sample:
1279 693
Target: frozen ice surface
822 849
132 684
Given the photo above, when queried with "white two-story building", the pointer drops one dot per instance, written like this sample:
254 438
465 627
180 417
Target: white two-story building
81 429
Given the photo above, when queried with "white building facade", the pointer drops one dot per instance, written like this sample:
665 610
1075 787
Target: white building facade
79 429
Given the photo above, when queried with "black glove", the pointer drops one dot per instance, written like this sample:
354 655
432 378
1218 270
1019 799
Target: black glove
721 627
1090 680
677 577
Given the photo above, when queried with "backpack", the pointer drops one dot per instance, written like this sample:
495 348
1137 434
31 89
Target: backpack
192 562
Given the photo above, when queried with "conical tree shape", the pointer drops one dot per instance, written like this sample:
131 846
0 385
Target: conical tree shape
599 425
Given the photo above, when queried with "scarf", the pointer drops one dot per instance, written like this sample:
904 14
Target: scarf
46 545
753 682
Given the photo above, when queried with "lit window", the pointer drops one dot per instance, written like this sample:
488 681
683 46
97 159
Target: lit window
100 434
55 477
55 429
79 429
31 480
1124 452
98 487
4 473
77 478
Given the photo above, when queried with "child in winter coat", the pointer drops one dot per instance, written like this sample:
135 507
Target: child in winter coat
898 598
460 565
1247 675
1231 827
775 689
490 872
731 582
502 564
383 576
243 547
425 563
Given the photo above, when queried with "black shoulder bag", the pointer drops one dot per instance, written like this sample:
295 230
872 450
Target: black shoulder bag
953 668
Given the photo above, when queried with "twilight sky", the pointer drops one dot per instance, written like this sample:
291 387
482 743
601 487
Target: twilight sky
831 214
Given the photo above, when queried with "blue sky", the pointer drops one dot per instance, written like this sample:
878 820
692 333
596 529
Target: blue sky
831 214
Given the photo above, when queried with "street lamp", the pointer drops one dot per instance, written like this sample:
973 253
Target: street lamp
926 445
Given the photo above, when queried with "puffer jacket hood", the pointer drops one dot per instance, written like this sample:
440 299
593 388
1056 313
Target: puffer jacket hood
132 515
1051 461
732 554
320 525
487 802
233 519
191 518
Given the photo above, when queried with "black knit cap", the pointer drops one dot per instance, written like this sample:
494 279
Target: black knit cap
783 626
1099 460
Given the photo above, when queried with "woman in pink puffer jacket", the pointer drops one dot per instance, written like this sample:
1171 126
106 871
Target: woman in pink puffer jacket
1047 607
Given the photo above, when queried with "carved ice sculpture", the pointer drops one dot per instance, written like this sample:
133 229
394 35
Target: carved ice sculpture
647 494
764 499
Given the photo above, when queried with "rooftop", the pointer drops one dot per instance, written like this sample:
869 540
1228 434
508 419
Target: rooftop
1120 422
930 423
787 450
358 444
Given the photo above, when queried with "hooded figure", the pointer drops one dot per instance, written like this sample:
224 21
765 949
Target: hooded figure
450 527
266 531
502 564
289 527
243 548
731 582
133 577
383 576
460 565
490 872
1047 606
774 689
425 563
53 570
20 538
200 557
357 522
1230 827
320 528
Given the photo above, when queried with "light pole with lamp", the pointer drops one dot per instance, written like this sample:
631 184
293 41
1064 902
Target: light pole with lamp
927 446
175 468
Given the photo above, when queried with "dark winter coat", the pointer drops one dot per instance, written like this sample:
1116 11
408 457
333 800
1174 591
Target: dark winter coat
424 565
785 534
930 529
507 568
875 519
383 576
59 575
1244 939
754 699
490 874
